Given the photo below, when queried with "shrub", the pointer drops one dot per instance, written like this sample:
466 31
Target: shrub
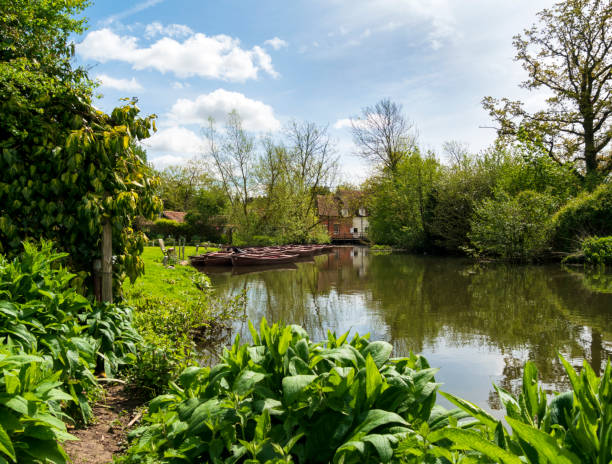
570 428
174 331
286 398
514 228
41 312
31 426
167 227
597 250
589 214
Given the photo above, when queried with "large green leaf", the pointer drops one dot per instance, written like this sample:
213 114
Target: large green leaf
294 385
545 445
487 419
467 439
6 445
380 352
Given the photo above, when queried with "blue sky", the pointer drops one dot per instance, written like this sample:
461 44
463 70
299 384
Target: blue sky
317 60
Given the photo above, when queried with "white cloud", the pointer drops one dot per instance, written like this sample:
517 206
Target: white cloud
431 20
119 84
175 140
163 161
343 123
171 30
219 56
347 123
256 115
276 43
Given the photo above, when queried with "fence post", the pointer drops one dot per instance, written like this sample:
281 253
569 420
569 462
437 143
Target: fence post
107 262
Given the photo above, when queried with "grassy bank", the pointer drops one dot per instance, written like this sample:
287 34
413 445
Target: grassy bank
179 318
159 281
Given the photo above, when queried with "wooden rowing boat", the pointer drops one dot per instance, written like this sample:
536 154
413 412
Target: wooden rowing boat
256 259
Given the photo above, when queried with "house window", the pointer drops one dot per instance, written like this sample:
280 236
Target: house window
355 230
366 229
362 212
336 229
344 212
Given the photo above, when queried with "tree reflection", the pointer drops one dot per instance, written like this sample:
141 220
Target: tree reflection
416 303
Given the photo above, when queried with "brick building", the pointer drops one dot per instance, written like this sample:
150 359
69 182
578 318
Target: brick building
344 214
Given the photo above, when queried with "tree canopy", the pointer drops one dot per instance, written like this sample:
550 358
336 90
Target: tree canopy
568 54
65 167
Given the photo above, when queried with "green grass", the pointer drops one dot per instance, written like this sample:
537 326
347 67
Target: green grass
166 282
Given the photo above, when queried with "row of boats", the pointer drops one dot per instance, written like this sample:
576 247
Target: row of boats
259 256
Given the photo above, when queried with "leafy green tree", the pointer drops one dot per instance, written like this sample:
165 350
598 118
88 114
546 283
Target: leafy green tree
65 167
569 55
397 202
514 228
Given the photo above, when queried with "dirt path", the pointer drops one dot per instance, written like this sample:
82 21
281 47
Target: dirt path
107 435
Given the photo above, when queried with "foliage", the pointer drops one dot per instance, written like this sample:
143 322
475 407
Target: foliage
514 228
589 214
41 312
571 428
65 167
286 398
271 187
597 250
31 421
165 228
397 201
568 55
177 315
451 202
191 189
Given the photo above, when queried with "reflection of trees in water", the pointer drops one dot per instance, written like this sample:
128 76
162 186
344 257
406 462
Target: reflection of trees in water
532 310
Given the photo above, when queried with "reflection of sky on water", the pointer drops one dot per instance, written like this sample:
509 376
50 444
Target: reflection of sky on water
478 325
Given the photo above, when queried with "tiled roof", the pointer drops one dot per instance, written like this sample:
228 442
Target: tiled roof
332 204
178 216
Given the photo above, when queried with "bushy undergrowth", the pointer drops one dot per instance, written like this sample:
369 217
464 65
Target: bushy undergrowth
513 228
589 214
597 250
53 340
173 332
177 316
287 399
31 418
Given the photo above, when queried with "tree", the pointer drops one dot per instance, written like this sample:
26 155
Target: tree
383 134
397 203
290 177
234 160
180 185
313 160
66 167
568 54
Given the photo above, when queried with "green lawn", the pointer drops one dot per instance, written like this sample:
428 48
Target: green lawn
167 282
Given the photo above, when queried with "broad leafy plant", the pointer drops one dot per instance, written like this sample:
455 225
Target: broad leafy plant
570 428
41 312
31 399
287 399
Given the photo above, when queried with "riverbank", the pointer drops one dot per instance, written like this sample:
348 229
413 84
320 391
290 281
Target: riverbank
178 317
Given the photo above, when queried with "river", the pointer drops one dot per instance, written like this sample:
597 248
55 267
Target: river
477 323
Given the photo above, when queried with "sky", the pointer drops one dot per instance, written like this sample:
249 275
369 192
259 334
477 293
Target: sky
321 61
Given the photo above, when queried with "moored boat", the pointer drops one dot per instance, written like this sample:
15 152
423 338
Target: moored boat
256 259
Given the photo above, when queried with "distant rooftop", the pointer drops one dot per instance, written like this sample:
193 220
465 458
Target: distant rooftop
178 216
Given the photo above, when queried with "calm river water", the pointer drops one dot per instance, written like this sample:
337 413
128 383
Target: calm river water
477 323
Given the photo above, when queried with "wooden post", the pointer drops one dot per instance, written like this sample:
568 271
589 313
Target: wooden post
107 262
